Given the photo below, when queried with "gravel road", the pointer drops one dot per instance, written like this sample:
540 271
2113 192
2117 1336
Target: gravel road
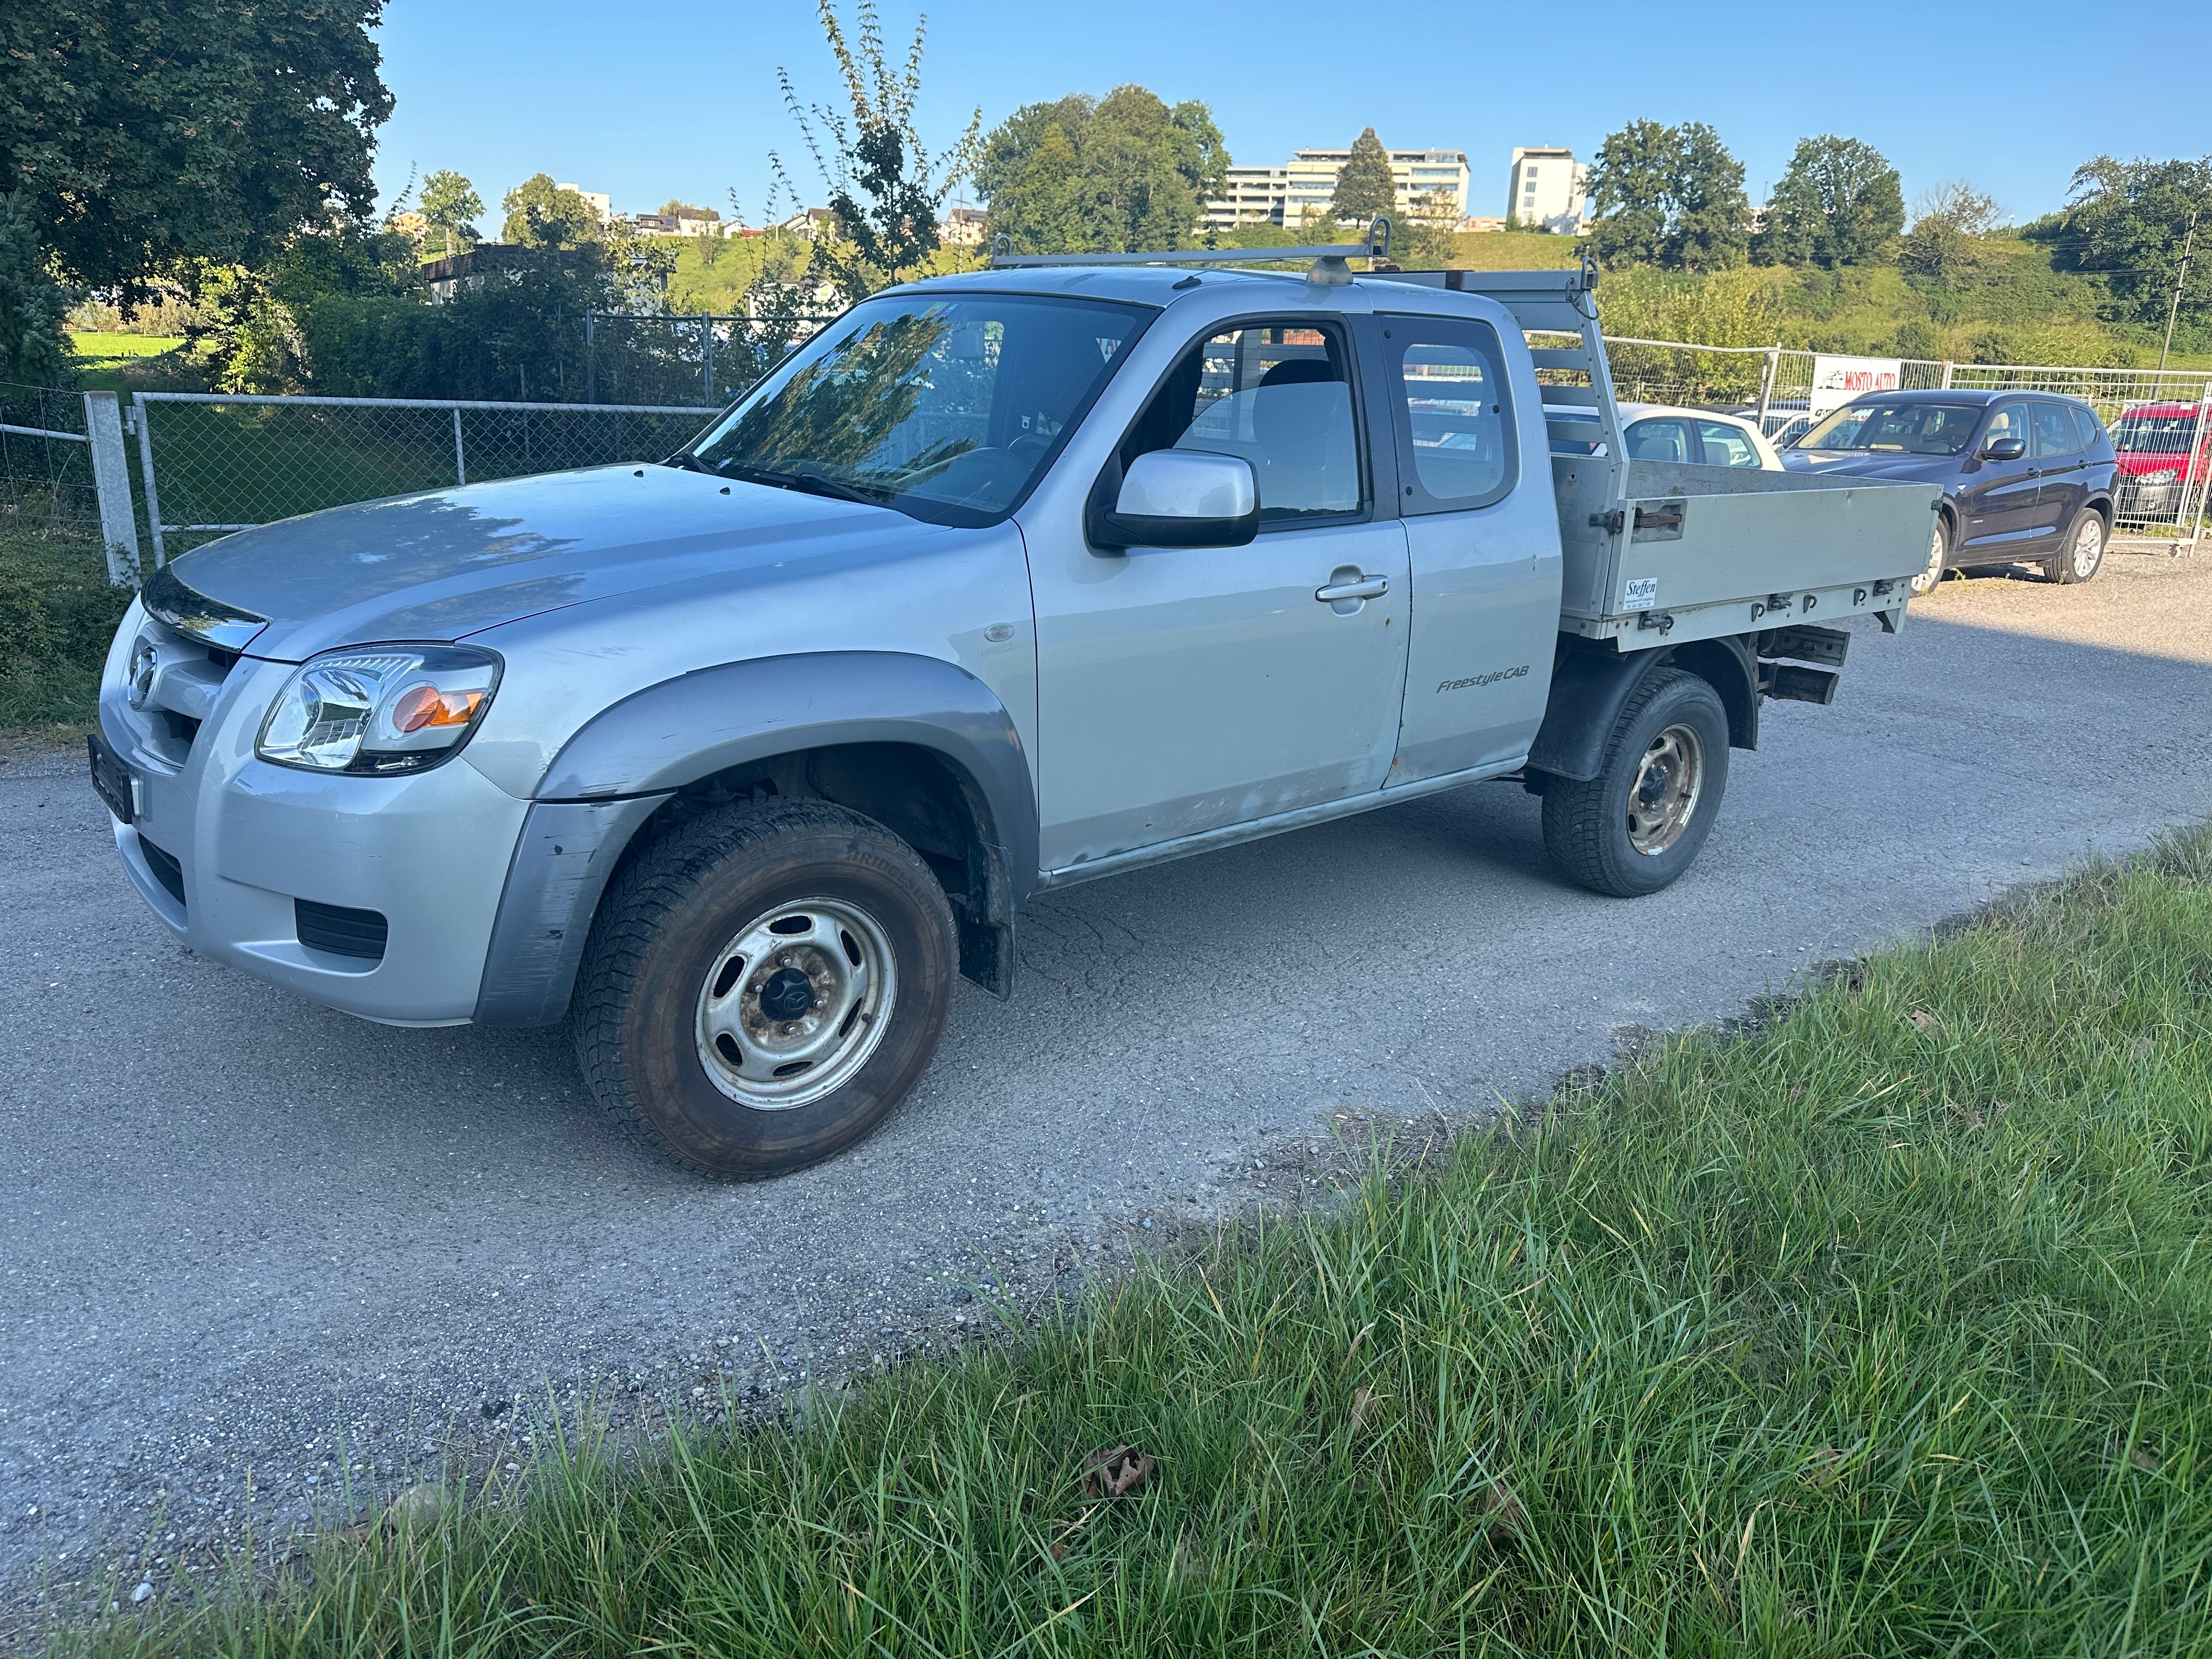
243 1238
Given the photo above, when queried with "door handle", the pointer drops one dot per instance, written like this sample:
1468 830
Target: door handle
1357 587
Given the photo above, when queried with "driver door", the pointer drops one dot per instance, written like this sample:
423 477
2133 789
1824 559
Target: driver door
1997 499
1186 689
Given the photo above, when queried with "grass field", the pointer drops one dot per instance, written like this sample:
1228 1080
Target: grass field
1880 1328
124 363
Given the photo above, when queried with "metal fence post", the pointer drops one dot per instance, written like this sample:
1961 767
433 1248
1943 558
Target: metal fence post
707 360
591 360
144 411
111 478
1767 382
1947 374
460 462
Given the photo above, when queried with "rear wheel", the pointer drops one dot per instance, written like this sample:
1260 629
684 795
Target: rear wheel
2083 553
1638 826
763 985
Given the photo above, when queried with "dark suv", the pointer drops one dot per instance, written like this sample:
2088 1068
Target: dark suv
2027 477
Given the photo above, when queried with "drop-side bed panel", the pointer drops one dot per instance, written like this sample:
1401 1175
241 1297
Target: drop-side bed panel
1701 550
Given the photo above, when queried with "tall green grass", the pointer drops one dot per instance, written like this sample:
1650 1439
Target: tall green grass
57 614
1880 1329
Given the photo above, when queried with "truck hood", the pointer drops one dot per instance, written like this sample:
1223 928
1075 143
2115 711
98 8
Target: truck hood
451 563
1857 464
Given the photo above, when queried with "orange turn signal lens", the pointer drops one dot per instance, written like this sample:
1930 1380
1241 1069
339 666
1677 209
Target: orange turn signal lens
422 706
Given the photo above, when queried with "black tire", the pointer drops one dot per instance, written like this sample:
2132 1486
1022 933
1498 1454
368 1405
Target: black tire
2080 553
672 918
1939 558
1587 824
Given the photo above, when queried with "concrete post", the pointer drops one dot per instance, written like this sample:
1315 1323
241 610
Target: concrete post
111 478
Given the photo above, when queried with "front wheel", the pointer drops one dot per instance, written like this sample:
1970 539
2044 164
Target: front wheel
1638 826
1939 554
761 986
2084 553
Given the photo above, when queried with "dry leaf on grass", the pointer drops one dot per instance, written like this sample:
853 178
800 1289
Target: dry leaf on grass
2145 1457
2143 1047
1116 1472
1926 1021
1506 1516
1362 1403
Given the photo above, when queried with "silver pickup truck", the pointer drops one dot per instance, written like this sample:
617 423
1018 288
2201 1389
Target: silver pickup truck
1003 582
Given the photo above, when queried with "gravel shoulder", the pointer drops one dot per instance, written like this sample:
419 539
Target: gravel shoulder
249 1243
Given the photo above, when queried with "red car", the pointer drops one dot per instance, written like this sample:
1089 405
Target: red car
2165 452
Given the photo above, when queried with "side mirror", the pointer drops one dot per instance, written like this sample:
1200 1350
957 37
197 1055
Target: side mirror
1181 498
2005 449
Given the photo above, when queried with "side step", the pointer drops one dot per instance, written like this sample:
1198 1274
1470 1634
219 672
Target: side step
1798 684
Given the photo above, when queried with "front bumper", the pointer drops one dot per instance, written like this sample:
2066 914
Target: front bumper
250 841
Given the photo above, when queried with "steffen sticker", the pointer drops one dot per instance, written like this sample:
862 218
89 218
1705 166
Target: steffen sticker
1640 594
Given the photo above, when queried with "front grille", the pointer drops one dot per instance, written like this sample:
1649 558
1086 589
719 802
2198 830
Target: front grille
166 869
338 932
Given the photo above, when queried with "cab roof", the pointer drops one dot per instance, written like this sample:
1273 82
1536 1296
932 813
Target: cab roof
1151 285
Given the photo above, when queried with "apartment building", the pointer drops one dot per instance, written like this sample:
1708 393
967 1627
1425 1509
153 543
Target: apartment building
1307 184
1546 189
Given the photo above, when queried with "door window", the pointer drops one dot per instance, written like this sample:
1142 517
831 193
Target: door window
1660 439
1446 375
2052 427
1277 395
2011 421
1727 446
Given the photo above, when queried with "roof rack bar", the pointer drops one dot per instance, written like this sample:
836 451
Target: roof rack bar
1376 247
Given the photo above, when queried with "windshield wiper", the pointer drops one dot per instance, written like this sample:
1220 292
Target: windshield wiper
813 484
691 463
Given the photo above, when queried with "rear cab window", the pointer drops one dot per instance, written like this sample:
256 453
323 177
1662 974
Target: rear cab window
1450 410
1727 446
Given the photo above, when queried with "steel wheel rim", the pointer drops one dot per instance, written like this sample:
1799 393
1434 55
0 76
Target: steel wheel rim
1926 580
1669 781
757 1043
2088 545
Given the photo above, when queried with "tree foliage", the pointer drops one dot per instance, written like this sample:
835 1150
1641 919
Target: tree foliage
2130 221
1117 174
1363 185
540 215
137 133
1944 248
1838 203
450 208
1671 196
884 188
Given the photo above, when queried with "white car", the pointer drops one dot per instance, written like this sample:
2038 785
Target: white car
1665 432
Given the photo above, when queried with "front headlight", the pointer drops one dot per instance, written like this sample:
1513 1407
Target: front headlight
2164 476
378 710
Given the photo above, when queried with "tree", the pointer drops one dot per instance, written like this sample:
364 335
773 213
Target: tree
884 187
1426 234
1117 174
540 216
1630 192
1363 185
1669 195
1710 227
1943 247
2131 219
137 133
450 207
1838 203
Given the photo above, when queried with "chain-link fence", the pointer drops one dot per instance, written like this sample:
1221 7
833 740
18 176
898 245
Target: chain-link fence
211 463
669 359
45 459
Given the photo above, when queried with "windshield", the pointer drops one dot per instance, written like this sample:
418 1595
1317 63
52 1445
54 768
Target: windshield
943 406
2161 434
1913 429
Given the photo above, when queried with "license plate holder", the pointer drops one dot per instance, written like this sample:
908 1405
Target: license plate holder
111 778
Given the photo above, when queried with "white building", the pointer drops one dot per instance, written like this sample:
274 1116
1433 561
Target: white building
1285 195
1546 189
602 205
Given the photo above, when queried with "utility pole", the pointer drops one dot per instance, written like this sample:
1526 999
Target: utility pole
2173 310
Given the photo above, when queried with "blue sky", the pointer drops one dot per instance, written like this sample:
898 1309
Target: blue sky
680 99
